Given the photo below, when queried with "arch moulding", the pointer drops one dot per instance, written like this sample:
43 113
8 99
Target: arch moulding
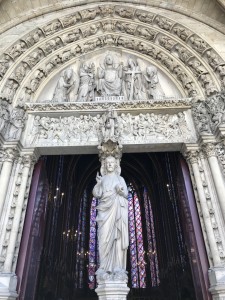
186 114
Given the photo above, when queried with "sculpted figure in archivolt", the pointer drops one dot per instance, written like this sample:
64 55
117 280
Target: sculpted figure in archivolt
112 218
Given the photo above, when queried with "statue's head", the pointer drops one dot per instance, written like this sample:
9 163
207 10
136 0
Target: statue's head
68 73
108 60
151 71
110 163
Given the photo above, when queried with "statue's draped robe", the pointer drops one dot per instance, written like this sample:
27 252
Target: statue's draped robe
85 88
109 83
112 219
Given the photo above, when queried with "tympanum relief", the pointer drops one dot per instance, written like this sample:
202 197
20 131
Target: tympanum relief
111 76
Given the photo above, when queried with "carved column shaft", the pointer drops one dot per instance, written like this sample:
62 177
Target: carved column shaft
193 161
8 159
209 150
27 163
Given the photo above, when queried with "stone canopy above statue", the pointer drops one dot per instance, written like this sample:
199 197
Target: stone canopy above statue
110 76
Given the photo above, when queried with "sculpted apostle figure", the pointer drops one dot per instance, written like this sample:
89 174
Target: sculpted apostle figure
86 88
133 81
65 86
109 78
153 86
112 218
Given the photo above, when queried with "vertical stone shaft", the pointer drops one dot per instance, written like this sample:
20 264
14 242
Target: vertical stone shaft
17 216
216 174
205 212
5 175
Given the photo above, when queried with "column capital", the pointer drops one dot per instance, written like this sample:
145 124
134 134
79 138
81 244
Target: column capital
191 155
209 149
28 159
9 154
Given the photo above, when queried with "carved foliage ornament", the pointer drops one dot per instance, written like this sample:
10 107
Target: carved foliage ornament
8 154
192 156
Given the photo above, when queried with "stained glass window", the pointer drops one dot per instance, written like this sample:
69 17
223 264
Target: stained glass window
92 245
138 272
152 252
81 253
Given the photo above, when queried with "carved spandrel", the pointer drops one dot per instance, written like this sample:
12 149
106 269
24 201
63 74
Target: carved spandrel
201 117
12 121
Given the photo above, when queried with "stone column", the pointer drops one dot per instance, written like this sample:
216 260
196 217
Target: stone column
192 158
216 272
8 157
210 152
8 279
27 162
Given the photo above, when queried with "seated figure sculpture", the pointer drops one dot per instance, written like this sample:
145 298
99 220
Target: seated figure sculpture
109 78
112 219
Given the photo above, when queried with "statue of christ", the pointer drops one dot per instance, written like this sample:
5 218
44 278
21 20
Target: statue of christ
112 219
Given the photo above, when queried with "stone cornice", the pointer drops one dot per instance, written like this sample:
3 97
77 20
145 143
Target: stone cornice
167 104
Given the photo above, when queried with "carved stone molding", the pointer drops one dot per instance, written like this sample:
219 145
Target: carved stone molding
148 26
220 152
47 67
170 103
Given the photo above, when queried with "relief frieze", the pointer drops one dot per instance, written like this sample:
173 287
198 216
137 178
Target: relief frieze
87 129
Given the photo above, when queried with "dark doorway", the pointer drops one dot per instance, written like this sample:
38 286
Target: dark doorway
163 257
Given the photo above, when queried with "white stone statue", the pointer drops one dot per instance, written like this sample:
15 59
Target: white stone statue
112 219
133 81
153 86
65 87
110 130
109 78
87 85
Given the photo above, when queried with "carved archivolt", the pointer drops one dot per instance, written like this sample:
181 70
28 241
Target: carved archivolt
30 62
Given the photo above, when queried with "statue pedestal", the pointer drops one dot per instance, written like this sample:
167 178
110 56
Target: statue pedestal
8 283
217 282
112 290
